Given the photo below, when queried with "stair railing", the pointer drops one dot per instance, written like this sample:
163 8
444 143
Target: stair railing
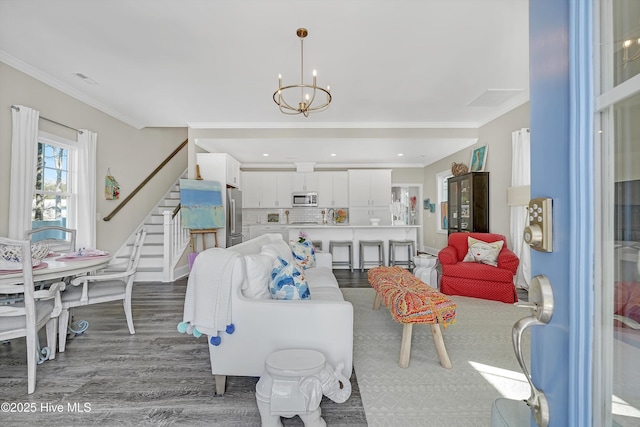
176 240
146 180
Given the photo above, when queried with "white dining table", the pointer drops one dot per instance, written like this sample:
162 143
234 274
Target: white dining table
57 269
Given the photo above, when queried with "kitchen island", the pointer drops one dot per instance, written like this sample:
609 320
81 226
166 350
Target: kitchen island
326 232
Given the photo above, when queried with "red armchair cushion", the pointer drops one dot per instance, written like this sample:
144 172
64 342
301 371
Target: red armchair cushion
476 279
477 271
458 248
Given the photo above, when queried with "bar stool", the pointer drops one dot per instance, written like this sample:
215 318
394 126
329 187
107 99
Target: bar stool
393 244
376 243
342 243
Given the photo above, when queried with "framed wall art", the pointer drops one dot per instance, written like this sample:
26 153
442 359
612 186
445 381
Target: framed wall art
478 159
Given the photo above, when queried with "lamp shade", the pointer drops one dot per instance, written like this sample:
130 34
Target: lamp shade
518 196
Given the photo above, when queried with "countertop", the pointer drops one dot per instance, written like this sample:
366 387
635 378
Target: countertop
334 226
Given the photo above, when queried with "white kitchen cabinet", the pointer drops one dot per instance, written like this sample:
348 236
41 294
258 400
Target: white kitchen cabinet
285 188
305 181
266 190
233 172
219 167
333 189
369 187
251 190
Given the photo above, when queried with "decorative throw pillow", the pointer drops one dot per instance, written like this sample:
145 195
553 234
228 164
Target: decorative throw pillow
304 254
287 281
483 252
279 248
258 271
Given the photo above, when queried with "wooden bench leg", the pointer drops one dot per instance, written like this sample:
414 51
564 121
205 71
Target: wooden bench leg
439 343
376 301
405 346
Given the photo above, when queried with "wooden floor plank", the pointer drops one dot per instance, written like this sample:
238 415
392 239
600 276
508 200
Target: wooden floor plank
155 377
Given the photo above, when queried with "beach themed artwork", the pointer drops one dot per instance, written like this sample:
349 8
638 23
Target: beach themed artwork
201 204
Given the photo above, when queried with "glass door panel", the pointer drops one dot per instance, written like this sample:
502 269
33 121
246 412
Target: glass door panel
465 204
625 283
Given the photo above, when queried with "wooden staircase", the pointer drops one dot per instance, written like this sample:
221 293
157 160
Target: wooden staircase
165 243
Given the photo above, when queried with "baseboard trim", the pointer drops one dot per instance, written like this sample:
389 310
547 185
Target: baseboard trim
429 250
181 271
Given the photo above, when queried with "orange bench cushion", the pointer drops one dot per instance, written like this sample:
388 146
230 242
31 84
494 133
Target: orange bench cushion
409 299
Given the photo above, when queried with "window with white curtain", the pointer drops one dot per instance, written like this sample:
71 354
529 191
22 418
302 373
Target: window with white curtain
443 197
55 192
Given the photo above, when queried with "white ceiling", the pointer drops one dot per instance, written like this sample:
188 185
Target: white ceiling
398 69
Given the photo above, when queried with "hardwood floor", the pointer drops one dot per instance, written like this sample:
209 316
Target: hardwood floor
155 377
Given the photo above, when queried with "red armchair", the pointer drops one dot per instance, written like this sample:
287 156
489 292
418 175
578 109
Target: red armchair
474 279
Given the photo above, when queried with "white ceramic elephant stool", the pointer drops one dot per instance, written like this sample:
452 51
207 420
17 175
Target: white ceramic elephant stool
293 384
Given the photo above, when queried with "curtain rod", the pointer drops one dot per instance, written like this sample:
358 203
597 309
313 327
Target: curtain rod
52 121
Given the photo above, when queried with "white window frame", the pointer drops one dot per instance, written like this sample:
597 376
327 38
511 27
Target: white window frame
72 170
441 181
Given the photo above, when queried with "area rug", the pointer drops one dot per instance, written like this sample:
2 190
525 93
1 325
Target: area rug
426 394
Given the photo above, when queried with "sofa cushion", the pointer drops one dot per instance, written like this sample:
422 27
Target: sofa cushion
304 254
320 277
326 293
258 272
483 252
287 281
279 248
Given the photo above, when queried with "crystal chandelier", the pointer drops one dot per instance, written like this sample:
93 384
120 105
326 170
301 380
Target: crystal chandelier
307 102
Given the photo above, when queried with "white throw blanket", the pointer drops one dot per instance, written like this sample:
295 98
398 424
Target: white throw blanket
207 304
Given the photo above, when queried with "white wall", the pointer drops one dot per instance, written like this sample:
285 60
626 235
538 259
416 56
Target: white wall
130 153
497 136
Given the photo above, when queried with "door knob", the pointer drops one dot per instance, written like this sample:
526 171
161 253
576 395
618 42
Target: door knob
541 303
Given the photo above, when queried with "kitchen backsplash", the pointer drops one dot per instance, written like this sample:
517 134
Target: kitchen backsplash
295 215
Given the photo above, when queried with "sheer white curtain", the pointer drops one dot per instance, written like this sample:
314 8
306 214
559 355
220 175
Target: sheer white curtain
521 175
24 145
86 185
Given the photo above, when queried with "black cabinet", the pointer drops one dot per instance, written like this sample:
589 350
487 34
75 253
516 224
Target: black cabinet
468 201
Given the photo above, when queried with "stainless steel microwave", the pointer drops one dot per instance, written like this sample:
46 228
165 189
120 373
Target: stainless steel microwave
304 199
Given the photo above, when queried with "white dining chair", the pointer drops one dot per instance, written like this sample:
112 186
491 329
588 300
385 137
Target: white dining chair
57 244
102 287
26 318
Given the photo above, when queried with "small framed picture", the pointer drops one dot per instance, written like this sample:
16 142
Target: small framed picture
478 159
273 217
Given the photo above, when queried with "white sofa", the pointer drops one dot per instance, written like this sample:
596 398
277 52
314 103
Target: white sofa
264 325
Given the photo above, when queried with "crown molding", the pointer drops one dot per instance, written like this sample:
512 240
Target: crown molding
64 88
332 125
319 167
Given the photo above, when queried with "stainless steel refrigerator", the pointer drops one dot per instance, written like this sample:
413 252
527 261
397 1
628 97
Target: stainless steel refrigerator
234 217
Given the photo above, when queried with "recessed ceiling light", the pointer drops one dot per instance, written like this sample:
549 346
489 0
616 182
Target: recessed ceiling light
265 155
333 154
400 154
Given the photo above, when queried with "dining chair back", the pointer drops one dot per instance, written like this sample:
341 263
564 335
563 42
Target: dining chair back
27 317
102 287
60 239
